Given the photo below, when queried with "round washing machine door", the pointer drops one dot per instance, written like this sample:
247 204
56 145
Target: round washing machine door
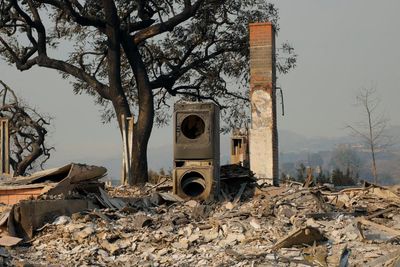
193 126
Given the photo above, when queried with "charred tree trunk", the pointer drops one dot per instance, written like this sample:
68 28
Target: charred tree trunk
141 136
142 129
20 168
144 124
139 168
372 143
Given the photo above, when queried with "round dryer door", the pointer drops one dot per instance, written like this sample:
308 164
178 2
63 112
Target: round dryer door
193 126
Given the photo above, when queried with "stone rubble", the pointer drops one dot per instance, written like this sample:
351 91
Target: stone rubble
151 231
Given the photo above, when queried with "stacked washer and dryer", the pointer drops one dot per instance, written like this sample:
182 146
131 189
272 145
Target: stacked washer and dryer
196 150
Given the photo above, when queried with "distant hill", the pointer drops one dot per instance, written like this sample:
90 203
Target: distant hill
293 142
292 146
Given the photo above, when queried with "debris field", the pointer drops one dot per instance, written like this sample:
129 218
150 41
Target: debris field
250 225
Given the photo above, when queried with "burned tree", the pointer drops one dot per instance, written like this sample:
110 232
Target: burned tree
372 130
134 57
27 133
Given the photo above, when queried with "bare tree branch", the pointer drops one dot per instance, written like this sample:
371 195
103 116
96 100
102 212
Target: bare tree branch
28 133
372 131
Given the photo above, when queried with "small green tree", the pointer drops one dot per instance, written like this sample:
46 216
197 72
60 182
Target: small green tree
322 178
301 173
345 158
341 179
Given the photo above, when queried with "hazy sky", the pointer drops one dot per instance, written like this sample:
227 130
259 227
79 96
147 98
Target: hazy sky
342 46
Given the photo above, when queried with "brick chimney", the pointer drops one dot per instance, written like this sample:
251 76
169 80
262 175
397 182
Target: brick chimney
263 132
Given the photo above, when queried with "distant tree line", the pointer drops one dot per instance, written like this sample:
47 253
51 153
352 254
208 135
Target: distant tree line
345 165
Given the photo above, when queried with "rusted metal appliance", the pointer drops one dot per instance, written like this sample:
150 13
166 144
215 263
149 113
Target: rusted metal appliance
196 150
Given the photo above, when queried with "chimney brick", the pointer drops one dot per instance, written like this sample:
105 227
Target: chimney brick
263 132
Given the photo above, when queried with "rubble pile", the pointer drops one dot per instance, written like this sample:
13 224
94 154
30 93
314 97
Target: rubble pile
50 183
28 203
287 226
